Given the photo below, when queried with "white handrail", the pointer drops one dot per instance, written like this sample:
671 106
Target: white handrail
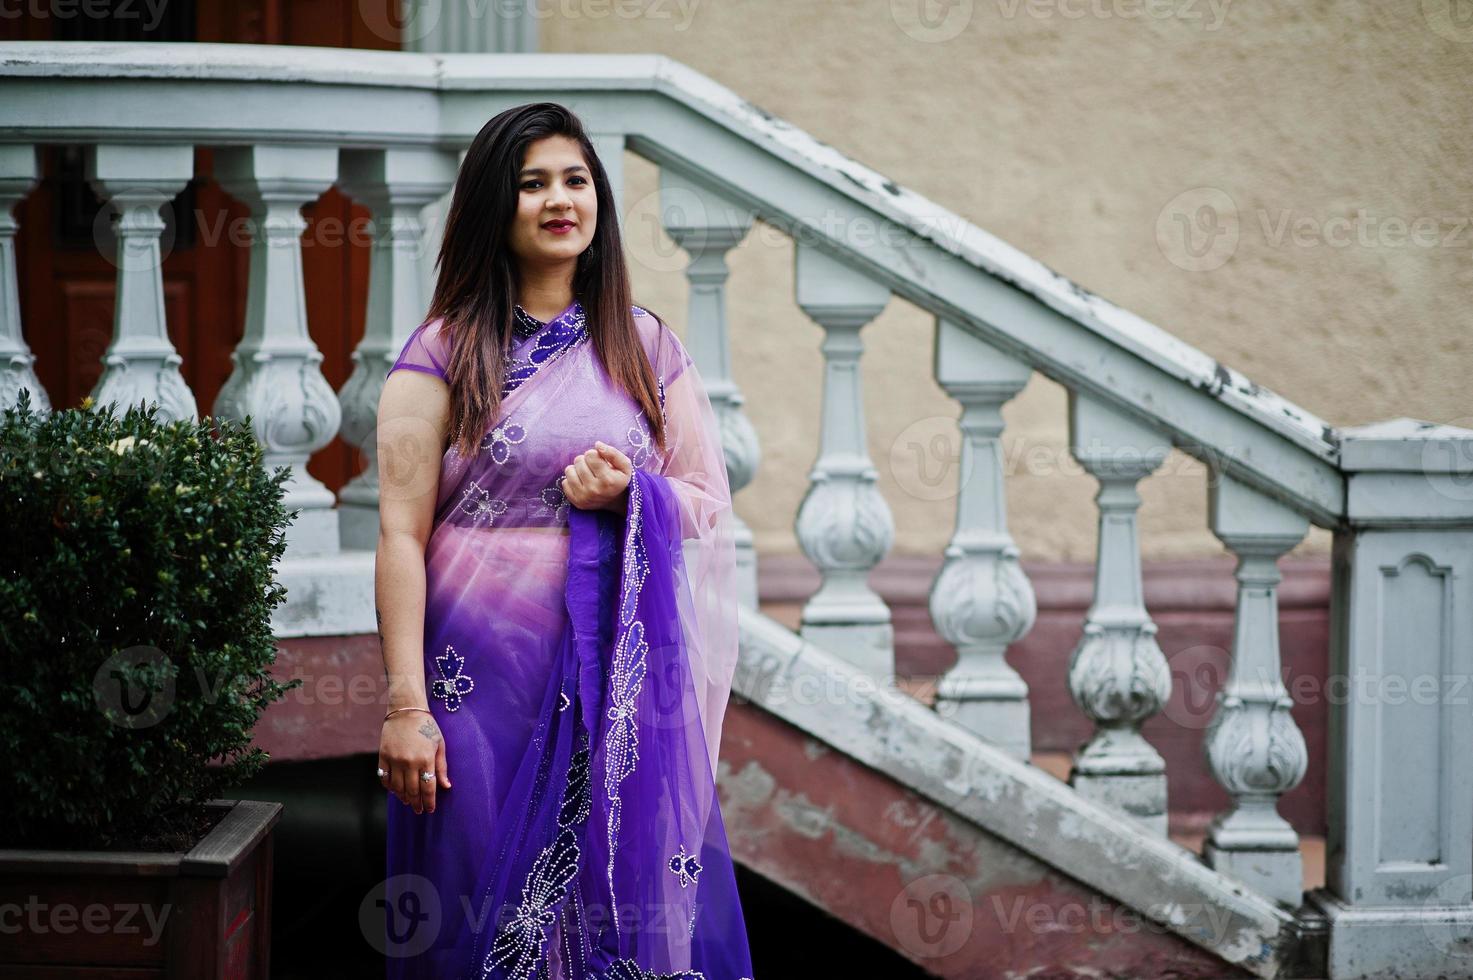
225 94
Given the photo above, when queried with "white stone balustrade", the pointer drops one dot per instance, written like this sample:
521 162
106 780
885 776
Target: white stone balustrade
1253 746
1395 494
844 525
19 170
981 601
708 226
395 185
141 364
1117 674
277 377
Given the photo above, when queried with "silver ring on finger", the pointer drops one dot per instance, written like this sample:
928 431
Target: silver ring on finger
382 772
426 775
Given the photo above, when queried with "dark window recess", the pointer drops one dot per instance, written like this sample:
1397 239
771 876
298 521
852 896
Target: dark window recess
82 222
125 20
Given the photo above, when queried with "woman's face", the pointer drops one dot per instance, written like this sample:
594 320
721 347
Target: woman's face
554 185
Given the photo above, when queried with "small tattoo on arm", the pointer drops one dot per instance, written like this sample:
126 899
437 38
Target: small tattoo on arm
383 649
430 731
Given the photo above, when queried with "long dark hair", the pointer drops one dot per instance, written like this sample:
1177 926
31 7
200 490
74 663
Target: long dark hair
477 282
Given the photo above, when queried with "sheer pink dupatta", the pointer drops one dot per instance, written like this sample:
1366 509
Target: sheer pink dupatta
695 464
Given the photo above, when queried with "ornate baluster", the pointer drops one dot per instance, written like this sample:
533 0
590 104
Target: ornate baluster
395 185
141 365
19 169
844 525
1253 746
277 376
1117 674
981 601
707 226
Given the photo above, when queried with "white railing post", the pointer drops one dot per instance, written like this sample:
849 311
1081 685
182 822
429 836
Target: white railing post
1117 674
277 376
141 365
1399 849
19 170
844 525
708 226
395 185
1254 748
981 600
610 149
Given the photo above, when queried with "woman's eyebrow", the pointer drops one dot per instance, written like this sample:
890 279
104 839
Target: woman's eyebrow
539 170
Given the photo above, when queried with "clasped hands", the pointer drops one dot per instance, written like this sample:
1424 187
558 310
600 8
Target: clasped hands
598 479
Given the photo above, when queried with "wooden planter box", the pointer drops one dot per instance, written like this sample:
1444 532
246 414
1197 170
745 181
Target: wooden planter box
200 915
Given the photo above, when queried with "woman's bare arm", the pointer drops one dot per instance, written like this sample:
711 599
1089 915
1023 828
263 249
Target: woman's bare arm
413 420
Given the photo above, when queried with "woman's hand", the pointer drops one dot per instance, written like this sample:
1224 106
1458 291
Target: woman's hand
598 478
410 744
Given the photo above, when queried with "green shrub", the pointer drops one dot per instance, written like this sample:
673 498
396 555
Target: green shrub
137 579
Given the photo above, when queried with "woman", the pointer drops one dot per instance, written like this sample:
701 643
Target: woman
554 597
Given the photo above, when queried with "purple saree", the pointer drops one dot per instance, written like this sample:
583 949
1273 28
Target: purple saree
578 665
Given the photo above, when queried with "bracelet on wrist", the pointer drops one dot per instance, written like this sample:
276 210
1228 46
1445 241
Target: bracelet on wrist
410 707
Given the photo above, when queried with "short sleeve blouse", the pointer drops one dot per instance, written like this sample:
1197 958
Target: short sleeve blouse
426 350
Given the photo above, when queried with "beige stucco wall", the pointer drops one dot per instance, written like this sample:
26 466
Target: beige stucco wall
1076 129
